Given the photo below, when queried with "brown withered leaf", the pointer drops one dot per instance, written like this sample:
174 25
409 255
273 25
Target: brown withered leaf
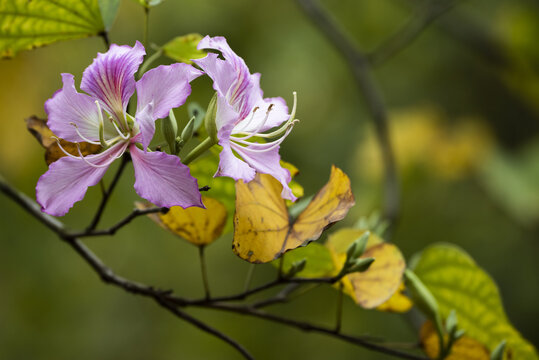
38 127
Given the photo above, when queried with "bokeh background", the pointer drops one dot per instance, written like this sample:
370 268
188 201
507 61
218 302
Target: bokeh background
464 106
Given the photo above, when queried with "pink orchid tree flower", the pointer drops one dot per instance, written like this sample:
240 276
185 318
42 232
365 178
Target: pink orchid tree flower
243 115
100 117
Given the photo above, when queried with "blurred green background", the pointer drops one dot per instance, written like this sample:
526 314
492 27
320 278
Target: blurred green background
464 105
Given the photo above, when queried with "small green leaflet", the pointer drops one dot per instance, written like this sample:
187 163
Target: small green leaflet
458 283
184 48
27 24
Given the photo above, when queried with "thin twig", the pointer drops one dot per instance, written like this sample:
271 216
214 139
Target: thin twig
165 296
403 37
361 69
120 224
125 159
305 326
31 207
338 323
105 36
204 271
203 326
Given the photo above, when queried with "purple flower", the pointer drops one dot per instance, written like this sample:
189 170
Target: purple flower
101 118
243 114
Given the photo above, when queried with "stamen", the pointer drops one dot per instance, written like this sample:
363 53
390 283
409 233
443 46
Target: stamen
122 135
83 137
261 126
101 126
94 165
291 121
62 148
273 144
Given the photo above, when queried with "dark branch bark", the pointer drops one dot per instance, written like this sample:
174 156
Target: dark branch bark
404 37
125 159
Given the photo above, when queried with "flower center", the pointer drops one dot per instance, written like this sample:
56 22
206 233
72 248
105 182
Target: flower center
280 134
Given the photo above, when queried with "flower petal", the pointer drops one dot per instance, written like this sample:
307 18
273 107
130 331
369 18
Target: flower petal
221 72
68 106
165 87
163 180
241 89
111 77
267 162
68 178
233 167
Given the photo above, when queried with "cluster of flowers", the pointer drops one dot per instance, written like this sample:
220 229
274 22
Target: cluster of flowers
100 116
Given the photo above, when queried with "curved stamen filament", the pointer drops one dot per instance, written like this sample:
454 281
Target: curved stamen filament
120 133
82 136
291 121
107 164
62 148
263 146
259 128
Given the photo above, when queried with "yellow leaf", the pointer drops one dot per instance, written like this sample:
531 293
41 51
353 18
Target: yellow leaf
381 281
38 127
262 229
198 226
398 303
465 348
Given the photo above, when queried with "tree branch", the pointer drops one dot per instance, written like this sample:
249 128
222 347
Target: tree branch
361 69
204 327
125 159
402 38
120 224
166 299
308 327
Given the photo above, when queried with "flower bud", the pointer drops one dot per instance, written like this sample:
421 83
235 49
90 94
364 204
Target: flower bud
497 353
360 265
169 129
188 130
209 119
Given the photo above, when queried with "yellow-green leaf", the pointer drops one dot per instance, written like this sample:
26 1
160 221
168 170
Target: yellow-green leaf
319 262
184 48
221 188
465 348
262 228
397 303
198 226
458 283
381 281
27 24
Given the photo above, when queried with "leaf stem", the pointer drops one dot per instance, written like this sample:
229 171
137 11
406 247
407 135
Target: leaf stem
199 150
249 277
338 324
148 62
146 26
204 271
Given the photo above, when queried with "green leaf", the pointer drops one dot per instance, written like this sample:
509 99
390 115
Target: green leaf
108 9
458 283
184 48
319 262
27 24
